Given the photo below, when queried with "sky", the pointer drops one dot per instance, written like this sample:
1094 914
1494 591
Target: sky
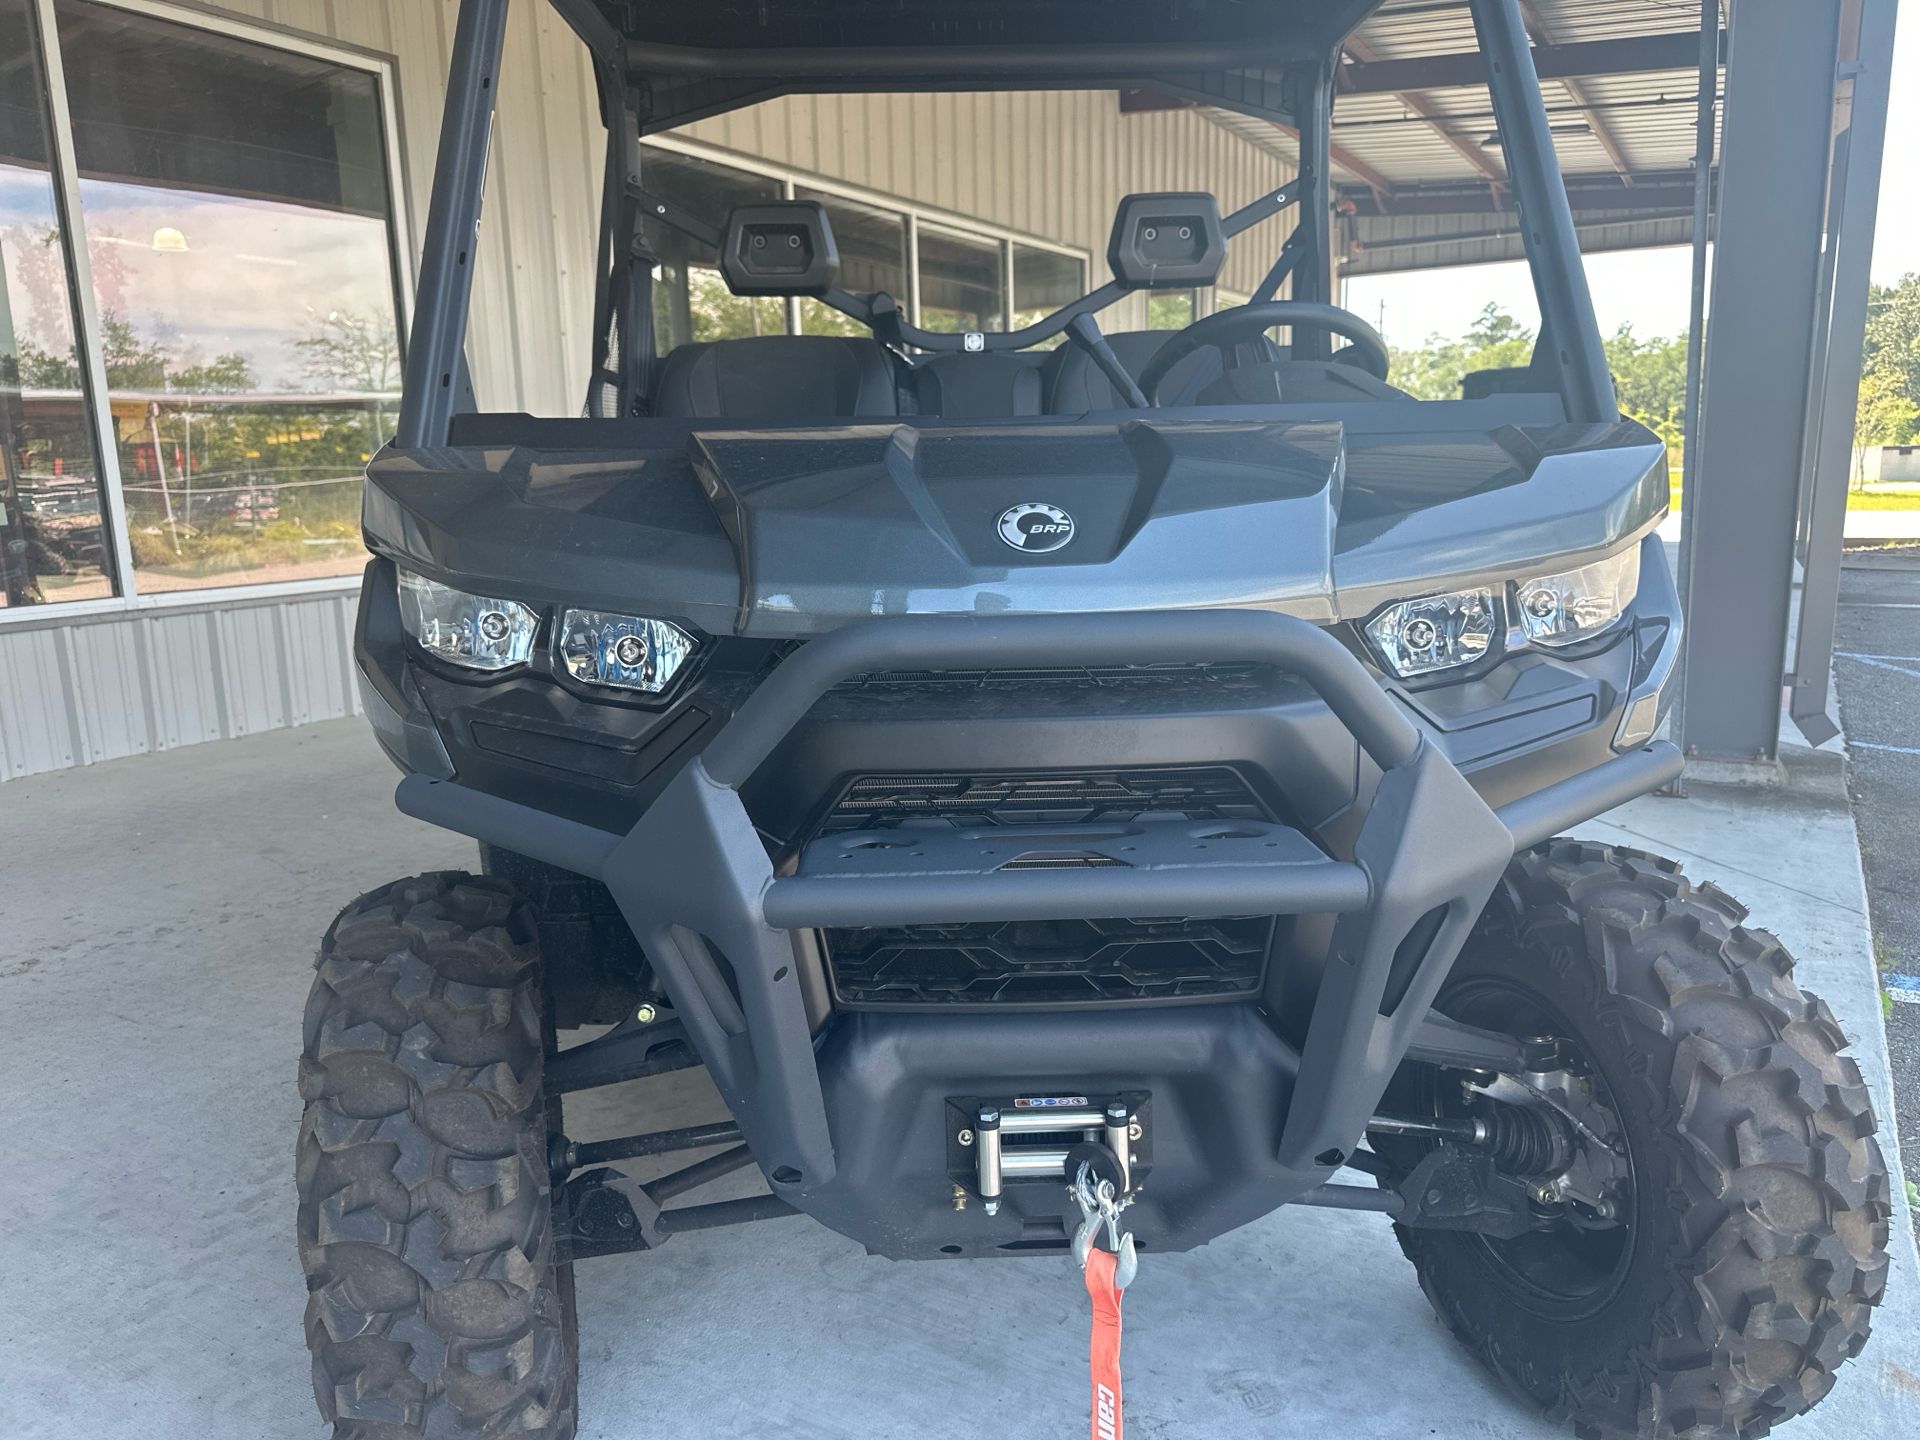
1648 289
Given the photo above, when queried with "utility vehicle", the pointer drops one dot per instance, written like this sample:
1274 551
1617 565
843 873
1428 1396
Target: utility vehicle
1003 757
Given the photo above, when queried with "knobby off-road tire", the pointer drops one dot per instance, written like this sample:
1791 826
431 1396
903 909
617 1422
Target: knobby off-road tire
1757 1236
435 1309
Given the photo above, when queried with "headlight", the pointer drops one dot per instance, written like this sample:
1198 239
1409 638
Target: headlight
1578 604
1418 637
625 651
478 632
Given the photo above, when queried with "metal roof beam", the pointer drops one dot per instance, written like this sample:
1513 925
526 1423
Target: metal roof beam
1660 191
1679 50
1543 39
1466 149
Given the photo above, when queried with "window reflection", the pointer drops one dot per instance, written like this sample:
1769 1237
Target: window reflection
1171 309
236 215
690 300
1043 281
53 543
962 285
873 258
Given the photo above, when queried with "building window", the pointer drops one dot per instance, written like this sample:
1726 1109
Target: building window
873 257
962 282
690 300
235 199
1171 309
1043 281
53 533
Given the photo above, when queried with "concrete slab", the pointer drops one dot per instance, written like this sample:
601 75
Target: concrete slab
159 917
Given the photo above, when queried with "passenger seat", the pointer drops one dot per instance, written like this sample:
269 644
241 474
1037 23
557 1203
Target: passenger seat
778 377
956 385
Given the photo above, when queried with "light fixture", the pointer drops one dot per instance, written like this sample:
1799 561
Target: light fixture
1436 632
475 632
169 241
1576 605
625 652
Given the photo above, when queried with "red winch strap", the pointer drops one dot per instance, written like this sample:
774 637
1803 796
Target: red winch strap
1104 1353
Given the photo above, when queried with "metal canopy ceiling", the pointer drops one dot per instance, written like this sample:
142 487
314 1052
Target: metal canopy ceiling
1419 170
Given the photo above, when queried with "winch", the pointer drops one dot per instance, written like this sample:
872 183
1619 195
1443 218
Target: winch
993 1142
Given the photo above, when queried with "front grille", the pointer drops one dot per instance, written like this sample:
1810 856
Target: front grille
1213 792
1047 963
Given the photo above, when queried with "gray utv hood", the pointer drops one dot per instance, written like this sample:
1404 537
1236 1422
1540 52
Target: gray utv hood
779 533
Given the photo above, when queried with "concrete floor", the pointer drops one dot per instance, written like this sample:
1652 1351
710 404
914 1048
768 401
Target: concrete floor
158 919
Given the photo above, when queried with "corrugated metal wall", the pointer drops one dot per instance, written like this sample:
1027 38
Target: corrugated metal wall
75 691
78 691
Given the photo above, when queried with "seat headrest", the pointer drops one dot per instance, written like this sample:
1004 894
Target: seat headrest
778 377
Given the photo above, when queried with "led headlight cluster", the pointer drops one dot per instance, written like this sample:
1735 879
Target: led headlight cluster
1443 632
625 651
1438 632
1576 605
480 632
483 632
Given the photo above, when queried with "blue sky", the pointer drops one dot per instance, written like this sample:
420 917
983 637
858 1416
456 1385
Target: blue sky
1648 289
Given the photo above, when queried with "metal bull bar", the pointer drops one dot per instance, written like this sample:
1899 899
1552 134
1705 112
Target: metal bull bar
694 880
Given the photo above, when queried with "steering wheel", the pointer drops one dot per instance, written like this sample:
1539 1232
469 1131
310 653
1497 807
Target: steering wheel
1226 328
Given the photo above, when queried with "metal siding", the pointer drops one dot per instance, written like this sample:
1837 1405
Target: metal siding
101 687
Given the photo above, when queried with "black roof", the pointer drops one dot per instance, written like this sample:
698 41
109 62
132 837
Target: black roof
697 57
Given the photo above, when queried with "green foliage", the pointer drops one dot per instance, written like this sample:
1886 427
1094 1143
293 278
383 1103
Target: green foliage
1495 341
1170 310
1889 412
1650 375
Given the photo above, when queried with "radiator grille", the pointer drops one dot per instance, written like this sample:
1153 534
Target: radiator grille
1047 963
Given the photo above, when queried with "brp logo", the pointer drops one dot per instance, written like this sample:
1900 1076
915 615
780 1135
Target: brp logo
1036 528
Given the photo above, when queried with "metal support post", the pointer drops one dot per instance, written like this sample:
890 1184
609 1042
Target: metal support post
1858 152
1705 136
1753 407
435 350
1546 216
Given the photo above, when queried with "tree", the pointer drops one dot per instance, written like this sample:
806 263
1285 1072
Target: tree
346 350
1650 377
1495 341
1889 412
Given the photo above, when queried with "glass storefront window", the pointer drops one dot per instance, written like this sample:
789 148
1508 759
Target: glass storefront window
235 199
1043 281
53 536
962 282
690 300
1170 309
873 257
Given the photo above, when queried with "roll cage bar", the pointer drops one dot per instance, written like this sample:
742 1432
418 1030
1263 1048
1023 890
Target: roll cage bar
648 83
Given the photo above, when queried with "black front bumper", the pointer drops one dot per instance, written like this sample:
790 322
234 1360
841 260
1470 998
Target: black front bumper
1253 1106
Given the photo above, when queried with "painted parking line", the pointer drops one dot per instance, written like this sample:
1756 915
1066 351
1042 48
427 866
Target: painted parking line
1880 662
1904 988
1889 749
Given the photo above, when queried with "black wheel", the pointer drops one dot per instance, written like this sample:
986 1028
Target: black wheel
435 1308
1714 1251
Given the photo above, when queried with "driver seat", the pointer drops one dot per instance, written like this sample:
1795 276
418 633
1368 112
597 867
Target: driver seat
1078 385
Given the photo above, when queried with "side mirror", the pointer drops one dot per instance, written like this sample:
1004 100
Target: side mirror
779 249
1167 242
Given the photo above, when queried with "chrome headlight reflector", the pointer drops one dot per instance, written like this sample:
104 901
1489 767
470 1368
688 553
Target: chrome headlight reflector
1438 632
476 632
1577 605
627 652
